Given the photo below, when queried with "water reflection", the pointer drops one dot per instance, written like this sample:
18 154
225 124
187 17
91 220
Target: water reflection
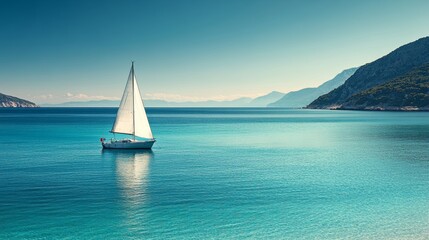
132 177
132 173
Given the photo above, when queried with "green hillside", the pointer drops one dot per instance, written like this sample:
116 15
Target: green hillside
408 92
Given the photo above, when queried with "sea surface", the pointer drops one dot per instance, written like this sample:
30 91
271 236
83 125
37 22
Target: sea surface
216 173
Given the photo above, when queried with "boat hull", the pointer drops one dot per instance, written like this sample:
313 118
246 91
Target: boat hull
128 144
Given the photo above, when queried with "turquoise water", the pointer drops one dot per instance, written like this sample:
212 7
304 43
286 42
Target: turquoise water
216 174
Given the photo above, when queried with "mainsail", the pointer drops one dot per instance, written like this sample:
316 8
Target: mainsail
131 117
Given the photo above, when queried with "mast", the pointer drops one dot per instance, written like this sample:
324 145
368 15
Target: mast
134 106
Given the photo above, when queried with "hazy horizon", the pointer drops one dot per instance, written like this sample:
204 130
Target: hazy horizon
54 52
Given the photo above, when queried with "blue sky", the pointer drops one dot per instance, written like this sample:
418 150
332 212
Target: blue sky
57 51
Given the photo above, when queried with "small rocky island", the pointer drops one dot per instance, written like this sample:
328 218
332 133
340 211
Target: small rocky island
10 101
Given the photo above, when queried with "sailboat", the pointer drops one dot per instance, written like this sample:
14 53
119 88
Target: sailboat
131 119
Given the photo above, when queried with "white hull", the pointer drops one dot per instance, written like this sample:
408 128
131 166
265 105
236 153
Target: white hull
128 144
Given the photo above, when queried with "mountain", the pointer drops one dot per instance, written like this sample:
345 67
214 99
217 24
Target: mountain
393 65
104 103
94 103
240 102
408 92
263 101
10 101
303 97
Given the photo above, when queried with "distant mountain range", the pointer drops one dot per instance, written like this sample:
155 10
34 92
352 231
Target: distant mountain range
296 99
93 103
155 103
303 97
11 101
396 81
261 101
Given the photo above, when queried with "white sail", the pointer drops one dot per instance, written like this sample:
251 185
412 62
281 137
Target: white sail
141 123
131 117
124 122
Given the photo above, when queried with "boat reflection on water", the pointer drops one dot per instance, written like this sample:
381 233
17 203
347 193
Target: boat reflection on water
132 172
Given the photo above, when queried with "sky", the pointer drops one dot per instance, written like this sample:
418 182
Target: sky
72 50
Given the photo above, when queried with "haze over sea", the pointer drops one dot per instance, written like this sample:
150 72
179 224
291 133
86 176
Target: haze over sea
216 173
